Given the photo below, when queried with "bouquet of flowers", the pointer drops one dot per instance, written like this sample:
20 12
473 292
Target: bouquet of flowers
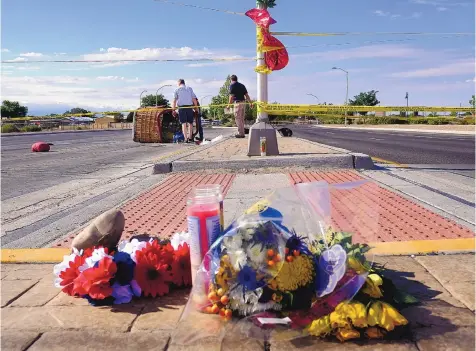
137 268
320 283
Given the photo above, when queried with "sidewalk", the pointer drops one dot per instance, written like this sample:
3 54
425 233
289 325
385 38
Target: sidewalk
36 316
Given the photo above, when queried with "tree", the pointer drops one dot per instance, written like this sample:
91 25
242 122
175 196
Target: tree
365 99
251 113
472 102
221 99
118 117
77 111
150 100
12 109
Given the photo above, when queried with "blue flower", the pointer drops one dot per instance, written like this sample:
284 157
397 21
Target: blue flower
136 289
266 235
121 293
247 279
125 268
296 242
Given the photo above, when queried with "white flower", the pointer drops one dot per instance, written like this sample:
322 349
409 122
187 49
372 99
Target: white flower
233 242
131 247
238 259
247 230
179 239
60 267
98 255
257 255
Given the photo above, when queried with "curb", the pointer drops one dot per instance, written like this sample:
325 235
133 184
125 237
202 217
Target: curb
400 248
6 135
345 160
327 161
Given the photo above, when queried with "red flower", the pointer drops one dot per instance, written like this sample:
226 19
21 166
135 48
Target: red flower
181 266
95 281
152 271
70 274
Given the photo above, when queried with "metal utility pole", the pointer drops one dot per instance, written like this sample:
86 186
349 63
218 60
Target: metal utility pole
157 94
313 96
140 98
346 90
406 97
262 128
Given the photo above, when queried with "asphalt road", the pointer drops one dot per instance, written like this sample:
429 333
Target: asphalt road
399 147
47 195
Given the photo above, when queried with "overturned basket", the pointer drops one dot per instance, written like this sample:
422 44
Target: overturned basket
157 125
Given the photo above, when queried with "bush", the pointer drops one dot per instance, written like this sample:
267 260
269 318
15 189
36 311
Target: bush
9 128
418 120
467 121
31 128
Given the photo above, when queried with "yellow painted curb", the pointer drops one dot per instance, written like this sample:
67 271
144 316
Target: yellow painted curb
53 255
422 247
50 255
381 160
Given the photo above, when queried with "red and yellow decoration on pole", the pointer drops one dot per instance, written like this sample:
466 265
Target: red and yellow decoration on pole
275 54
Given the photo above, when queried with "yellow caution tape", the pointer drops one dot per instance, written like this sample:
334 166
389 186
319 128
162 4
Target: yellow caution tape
276 109
304 34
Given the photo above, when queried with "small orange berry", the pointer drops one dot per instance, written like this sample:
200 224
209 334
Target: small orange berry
270 252
286 251
208 309
228 313
215 309
213 296
277 258
296 253
271 263
289 258
220 292
224 300
222 312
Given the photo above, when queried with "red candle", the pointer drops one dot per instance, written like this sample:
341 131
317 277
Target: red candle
203 215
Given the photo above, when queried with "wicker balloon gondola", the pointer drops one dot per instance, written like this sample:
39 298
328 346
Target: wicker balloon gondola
157 125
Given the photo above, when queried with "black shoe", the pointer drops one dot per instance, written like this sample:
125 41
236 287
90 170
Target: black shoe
239 136
187 141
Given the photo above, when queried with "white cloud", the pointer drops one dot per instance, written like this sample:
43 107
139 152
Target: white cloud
441 9
416 15
18 59
28 68
31 54
440 3
381 13
471 80
59 53
5 50
117 78
460 67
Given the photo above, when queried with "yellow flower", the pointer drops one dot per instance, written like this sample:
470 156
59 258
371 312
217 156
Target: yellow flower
320 327
295 274
384 315
344 334
372 286
374 333
353 311
338 320
356 265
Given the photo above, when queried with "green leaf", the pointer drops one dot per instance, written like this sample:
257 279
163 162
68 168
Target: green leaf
404 298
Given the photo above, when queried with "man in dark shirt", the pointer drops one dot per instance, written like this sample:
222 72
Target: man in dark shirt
239 95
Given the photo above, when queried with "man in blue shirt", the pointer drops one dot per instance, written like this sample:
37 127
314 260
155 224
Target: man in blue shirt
239 95
185 97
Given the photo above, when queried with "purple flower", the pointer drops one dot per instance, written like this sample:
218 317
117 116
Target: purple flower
136 290
121 293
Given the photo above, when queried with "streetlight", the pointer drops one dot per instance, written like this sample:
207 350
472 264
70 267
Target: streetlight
347 90
203 98
314 96
157 94
140 98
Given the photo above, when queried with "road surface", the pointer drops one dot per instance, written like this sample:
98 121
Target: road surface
47 195
399 147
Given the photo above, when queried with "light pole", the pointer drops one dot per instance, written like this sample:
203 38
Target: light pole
406 97
313 96
346 91
157 94
201 100
140 98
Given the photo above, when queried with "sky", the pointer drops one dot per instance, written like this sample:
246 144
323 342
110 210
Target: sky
436 70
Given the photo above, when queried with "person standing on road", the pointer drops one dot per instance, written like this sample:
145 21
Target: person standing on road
199 123
239 95
185 97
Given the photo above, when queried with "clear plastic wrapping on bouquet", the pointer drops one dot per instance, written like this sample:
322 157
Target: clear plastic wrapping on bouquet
291 258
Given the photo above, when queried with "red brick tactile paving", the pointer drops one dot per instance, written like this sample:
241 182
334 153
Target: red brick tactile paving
375 214
161 211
